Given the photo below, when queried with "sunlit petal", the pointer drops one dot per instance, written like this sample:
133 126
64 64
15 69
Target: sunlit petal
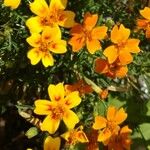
58 4
145 13
47 59
111 113
100 123
125 58
12 3
104 135
133 45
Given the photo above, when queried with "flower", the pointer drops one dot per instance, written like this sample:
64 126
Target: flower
80 86
111 70
44 45
121 141
122 47
52 143
74 136
103 94
59 108
87 34
52 15
110 124
145 23
12 3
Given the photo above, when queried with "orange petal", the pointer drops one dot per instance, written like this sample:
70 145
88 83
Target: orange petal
72 99
120 116
145 13
111 113
111 53
148 33
81 136
70 119
99 32
93 45
100 123
77 29
125 130
125 58
90 20
142 23
49 124
101 65
56 92
133 45
121 71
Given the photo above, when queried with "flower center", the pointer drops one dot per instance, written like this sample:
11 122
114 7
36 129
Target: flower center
43 47
111 125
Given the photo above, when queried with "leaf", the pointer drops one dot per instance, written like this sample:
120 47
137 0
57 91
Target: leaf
33 131
145 130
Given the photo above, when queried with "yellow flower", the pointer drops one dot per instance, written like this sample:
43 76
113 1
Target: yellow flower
52 143
87 34
110 124
52 15
74 136
122 46
145 23
44 45
58 109
12 3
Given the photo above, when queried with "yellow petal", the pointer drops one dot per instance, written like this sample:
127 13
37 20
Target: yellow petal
66 135
120 116
34 24
49 124
66 19
34 55
47 59
58 4
58 46
39 7
12 3
56 92
42 107
34 40
70 119
99 32
72 99
133 45
145 13
100 123
125 58
52 143
90 20
111 113
111 53
51 34
104 135
93 45
81 136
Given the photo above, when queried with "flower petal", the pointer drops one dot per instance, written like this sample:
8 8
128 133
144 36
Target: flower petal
111 53
133 45
111 113
66 19
12 3
77 29
56 92
120 116
125 130
148 33
72 99
39 7
125 58
93 45
49 124
70 119
99 32
34 24
145 13
47 59
52 143
34 55
42 107
58 4
104 135
100 123
121 71
81 136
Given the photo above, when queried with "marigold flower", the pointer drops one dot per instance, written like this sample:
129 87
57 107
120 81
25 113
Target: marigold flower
52 15
58 109
145 23
87 34
122 47
111 70
120 141
12 3
52 143
75 136
80 86
44 45
110 124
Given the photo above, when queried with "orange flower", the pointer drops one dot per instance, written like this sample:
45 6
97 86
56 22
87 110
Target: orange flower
122 46
120 141
52 15
80 86
74 136
110 124
111 70
104 94
145 23
58 109
87 34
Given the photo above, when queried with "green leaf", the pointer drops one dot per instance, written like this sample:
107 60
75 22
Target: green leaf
33 131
